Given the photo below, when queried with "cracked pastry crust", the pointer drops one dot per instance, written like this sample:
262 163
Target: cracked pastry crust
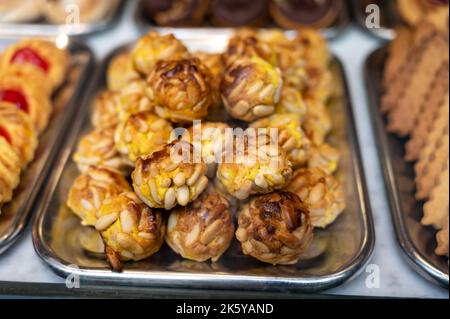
169 177
91 188
129 229
275 228
320 192
121 72
181 90
9 171
104 112
202 230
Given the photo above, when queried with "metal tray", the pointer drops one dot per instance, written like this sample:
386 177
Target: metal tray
417 241
145 25
45 29
337 253
15 214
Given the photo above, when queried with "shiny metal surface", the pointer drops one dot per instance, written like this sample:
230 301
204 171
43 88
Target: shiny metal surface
417 241
337 253
15 214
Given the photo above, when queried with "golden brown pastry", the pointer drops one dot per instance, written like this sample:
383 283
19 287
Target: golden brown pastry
13 11
181 90
77 11
325 157
9 169
121 72
202 230
91 188
321 193
30 73
292 102
104 112
318 123
132 99
275 228
182 13
242 45
415 11
130 230
169 177
314 47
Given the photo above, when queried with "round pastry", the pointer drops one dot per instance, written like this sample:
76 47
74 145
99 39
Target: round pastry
121 72
12 11
255 167
314 47
275 228
235 13
9 168
181 90
182 13
321 193
91 188
250 88
98 148
319 83
77 11
292 102
142 134
133 99
41 54
130 230
318 123
104 112
291 137
27 97
248 46
16 125
202 230
169 177
414 11
31 74
154 47
325 157
292 14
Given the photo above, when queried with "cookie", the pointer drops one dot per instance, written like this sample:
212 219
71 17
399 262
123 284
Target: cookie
398 52
435 211
442 240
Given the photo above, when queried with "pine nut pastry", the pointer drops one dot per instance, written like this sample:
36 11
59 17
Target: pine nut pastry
104 110
291 137
62 11
91 188
142 134
170 177
318 122
121 72
275 228
130 230
257 167
97 148
248 46
181 90
202 230
251 88
320 192
9 169
325 157
45 56
319 84
17 125
132 99
153 47
314 46
292 101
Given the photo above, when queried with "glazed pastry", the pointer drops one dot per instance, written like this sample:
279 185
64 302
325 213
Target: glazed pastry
292 102
318 122
169 177
13 11
275 228
325 157
321 193
291 137
9 168
16 125
251 88
104 112
98 148
121 72
130 230
133 99
43 55
293 14
91 188
142 134
235 13
202 230
255 167
154 47
180 90
182 13
242 45
63 12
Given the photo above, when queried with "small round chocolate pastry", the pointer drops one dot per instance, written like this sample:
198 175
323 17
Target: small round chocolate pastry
180 89
318 123
130 230
9 168
239 13
248 46
325 157
121 72
77 11
251 88
133 99
202 230
293 14
275 228
153 47
104 112
320 192
170 177
182 13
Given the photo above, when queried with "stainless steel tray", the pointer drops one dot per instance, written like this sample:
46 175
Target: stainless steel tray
417 241
45 29
66 100
145 25
337 253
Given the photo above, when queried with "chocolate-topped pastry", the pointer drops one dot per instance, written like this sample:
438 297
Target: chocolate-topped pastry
296 13
150 7
235 13
177 13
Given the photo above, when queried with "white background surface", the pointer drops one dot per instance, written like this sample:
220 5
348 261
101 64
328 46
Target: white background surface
397 279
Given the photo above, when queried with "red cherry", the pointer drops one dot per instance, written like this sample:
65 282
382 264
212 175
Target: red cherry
5 134
15 97
28 55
